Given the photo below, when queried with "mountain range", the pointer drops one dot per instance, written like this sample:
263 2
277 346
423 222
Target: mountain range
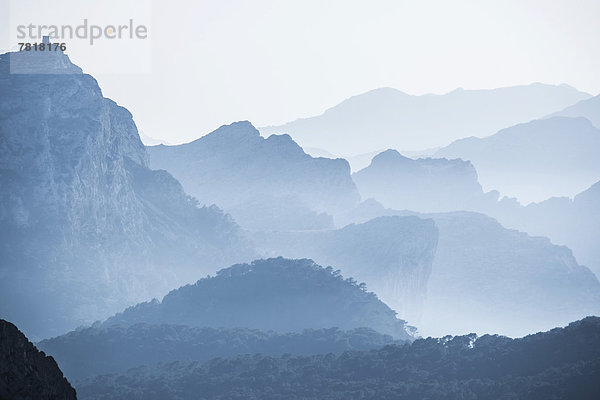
263 183
510 282
536 160
86 227
392 255
571 222
388 118
588 108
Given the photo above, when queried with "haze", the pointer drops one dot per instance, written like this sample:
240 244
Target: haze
271 62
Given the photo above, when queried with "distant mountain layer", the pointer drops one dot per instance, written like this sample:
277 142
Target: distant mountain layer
426 184
571 222
86 227
537 160
563 363
392 255
27 373
275 294
264 183
388 118
588 108
486 278
115 349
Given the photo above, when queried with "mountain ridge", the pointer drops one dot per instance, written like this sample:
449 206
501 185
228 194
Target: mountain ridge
390 118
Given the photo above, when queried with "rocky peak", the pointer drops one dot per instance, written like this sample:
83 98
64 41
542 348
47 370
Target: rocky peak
26 372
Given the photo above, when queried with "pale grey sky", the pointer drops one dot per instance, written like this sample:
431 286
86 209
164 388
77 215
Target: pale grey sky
208 63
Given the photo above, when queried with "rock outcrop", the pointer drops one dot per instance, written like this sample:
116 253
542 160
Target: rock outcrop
86 227
27 373
425 184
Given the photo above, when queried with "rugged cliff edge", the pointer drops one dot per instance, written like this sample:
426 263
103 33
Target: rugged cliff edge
86 227
27 373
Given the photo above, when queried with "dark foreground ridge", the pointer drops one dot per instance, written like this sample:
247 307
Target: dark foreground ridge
26 372
563 363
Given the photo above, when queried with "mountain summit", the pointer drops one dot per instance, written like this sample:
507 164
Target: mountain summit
263 183
86 227
274 294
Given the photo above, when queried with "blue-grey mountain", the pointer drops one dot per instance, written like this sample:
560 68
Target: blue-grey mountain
533 161
392 255
86 227
115 349
571 222
561 364
486 278
425 184
388 118
274 294
263 183
588 108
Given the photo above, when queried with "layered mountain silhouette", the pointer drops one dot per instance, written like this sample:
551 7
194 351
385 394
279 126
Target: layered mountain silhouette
571 222
27 373
563 363
275 294
535 160
588 108
101 350
425 184
392 255
86 227
388 118
441 185
486 278
263 183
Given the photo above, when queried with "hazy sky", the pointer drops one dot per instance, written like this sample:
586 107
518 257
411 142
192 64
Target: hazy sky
208 63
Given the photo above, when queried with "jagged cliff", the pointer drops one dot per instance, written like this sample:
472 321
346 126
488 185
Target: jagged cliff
25 372
87 228
487 278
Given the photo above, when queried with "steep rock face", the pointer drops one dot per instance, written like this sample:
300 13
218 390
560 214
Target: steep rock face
533 161
392 255
388 118
275 294
87 228
425 185
264 183
25 372
487 278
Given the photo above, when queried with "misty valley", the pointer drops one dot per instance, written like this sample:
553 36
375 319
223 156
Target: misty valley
240 266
